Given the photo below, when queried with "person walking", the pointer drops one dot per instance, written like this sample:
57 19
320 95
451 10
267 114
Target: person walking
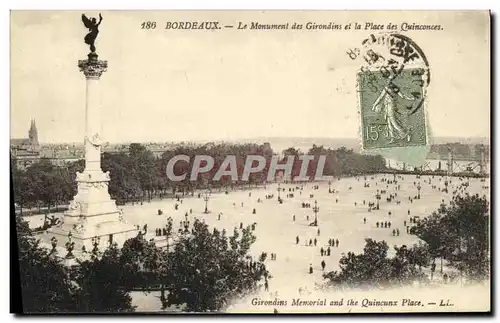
323 265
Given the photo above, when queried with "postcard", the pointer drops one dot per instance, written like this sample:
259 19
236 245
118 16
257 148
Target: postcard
266 162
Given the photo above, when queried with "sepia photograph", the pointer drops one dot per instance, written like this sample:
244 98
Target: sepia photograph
251 162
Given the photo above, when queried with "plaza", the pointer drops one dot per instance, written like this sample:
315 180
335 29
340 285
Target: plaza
340 216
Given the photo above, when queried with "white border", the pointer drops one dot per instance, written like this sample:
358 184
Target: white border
189 4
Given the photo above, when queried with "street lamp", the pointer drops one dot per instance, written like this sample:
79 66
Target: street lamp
377 196
279 190
329 186
206 197
315 210
418 188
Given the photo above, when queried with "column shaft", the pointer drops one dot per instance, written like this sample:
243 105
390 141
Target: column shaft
92 126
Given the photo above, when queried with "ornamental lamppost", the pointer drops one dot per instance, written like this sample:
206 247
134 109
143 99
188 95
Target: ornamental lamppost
279 190
70 246
315 210
329 186
53 242
418 188
95 242
206 198
377 196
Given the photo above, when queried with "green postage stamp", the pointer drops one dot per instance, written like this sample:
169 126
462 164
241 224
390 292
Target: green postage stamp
391 92
392 110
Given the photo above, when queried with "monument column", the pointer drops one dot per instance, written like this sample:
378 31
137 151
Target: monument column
92 213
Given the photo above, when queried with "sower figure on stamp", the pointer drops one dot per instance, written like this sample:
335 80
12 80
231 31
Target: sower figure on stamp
387 103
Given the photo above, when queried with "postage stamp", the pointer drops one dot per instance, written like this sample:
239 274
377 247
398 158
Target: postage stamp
392 111
391 86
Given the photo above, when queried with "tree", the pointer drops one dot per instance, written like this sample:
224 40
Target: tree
45 284
460 234
292 151
101 284
145 263
17 183
405 263
48 286
142 162
373 269
467 220
419 255
207 269
430 230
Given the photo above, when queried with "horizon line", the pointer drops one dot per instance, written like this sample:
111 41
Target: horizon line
259 138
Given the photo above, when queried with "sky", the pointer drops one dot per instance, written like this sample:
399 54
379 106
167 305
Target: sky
183 85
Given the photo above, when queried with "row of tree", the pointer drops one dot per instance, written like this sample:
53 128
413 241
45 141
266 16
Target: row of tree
138 175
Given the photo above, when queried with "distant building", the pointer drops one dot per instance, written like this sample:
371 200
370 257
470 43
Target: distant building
26 150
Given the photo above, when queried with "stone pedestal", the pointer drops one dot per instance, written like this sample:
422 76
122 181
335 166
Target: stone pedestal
92 213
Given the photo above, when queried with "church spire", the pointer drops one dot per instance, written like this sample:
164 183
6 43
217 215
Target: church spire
33 133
